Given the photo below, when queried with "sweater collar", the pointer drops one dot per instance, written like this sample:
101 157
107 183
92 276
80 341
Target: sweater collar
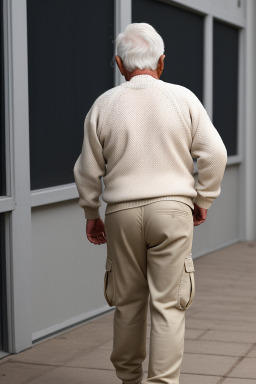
142 79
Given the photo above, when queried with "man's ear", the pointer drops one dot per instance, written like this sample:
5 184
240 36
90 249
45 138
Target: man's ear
120 64
160 66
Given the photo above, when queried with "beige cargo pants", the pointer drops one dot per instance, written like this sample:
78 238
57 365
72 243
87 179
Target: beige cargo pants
149 260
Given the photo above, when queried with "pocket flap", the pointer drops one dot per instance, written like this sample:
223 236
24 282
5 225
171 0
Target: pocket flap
108 264
189 265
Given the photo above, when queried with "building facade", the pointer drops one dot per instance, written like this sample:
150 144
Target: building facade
57 56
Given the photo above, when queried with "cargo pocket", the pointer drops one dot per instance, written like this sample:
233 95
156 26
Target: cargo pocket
109 283
186 290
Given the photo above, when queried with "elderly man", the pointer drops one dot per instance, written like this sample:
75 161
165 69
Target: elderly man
141 137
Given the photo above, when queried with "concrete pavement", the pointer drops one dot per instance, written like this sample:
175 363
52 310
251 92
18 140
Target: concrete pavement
220 341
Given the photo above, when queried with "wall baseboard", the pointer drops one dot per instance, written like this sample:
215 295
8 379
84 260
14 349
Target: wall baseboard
214 249
73 322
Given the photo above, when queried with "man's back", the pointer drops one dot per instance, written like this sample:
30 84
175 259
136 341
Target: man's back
148 132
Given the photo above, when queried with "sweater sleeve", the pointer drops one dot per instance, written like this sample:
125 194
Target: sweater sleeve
88 170
211 154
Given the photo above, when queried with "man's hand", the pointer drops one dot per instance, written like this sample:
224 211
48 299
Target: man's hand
95 231
199 215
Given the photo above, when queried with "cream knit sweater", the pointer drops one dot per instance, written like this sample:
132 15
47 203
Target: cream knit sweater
140 138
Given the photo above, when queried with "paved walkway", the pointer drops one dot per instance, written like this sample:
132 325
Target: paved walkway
220 344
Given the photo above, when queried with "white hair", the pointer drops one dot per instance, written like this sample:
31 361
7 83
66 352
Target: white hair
139 47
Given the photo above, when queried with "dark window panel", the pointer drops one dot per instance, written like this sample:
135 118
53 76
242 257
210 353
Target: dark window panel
70 63
182 32
225 84
2 107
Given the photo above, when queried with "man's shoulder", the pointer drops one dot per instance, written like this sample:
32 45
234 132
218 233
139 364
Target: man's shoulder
106 96
177 89
185 97
101 103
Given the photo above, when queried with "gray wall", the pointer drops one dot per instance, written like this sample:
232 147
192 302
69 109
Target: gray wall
67 270
221 226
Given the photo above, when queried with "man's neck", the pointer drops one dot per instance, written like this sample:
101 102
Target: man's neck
137 72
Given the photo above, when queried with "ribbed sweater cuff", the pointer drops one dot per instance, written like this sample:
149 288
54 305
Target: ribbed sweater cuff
91 213
202 202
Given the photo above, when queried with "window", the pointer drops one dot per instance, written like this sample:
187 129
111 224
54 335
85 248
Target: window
70 63
2 107
182 32
225 84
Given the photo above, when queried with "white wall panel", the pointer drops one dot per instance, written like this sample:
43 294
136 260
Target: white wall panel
222 224
67 270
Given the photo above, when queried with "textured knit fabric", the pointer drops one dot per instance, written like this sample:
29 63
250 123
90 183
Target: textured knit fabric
140 139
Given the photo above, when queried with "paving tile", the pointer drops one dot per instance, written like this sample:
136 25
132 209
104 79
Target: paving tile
252 353
18 373
67 346
193 333
247 304
98 359
238 381
195 323
93 376
198 379
109 344
239 326
53 352
202 346
207 364
216 348
193 309
242 337
246 369
221 316
232 309
69 375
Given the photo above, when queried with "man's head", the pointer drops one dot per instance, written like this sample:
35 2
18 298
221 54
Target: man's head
139 48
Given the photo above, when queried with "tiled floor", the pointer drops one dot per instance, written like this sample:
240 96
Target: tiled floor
220 342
